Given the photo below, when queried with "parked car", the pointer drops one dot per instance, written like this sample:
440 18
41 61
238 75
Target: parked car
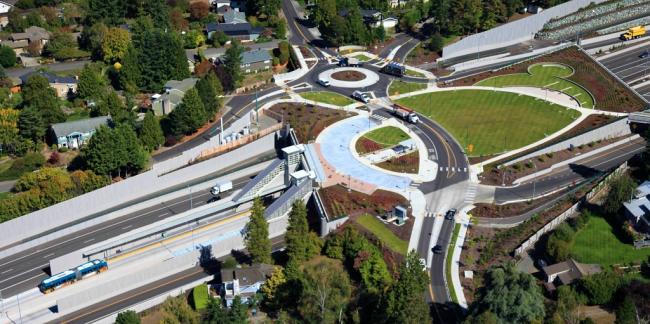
324 83
450 214
644 54
361 96
437 249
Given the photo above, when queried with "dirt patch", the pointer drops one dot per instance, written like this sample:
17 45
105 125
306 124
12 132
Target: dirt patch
307 120
507 175
348 75
408 163
609 94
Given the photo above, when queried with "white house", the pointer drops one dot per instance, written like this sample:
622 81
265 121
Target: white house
243 282
637 210
6 5
388 22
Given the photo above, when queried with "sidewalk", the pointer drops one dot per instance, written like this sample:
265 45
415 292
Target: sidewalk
464 220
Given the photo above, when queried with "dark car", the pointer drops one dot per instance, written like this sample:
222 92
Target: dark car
437 249
450 214
645 54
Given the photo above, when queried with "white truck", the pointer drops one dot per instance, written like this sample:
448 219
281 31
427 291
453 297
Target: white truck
220 187
405 113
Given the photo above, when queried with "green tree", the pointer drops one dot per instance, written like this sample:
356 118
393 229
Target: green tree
158 10
189 115
302 244
326 291
215 313
151 134
232 65
129 74
91 39
31 124
513 296
7 56
599 288
115 44
256 238
626 311
37 94
127 317
177 311
436 43
559 243
92 84
114 151
373 269
281 29
209 89
568 302
404 300
238 313
621 189
160 57
270 288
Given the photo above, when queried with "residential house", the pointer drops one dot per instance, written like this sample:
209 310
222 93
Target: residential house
241 31
174 91
234 17
65 86
6 5
566 272
373 18
223 9
19 47
243 282
255 61
76 133
32 34
637 210
219 3
387 22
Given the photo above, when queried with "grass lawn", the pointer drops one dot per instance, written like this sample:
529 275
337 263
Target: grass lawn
544 75
412 73
398 87
5 195
362 58
327 97
200 296
372 224
597 243
493 122
450 252
389 135
78 114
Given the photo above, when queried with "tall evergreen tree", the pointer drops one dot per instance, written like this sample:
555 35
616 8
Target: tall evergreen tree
256 238
129 74
151 134
189 115
38 94
92 84
209 88
232 65
405 303
238 313
31 125
127 317
158 10
302 244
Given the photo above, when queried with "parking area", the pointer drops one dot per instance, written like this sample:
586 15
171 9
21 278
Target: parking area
633 67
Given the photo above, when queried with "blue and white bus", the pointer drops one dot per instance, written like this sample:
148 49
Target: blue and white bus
70 276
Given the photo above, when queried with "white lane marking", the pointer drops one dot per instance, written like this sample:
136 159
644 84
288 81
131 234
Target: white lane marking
3 272
127 227
18 275
47 256
90 240
28 279
163 215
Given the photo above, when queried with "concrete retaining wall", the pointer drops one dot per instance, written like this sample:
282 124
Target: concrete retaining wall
512 33
96 203
616 129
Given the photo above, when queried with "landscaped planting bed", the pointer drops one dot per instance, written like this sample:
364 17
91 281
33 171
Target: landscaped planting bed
409 163
608 93
365 146
493 122
348 75
307 120
339 202
380 138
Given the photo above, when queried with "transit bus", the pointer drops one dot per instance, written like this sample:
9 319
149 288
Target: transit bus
72 275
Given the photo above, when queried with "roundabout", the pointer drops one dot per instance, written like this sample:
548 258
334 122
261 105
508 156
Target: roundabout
349 77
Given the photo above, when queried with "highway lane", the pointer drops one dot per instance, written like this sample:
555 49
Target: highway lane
571 174
25 271
628 65
133 297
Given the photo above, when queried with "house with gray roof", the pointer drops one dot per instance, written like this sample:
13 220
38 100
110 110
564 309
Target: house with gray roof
76 133
637 210
566 272
242 31
65 86
243 282
234 17
6 5
254 61
32 34
174 91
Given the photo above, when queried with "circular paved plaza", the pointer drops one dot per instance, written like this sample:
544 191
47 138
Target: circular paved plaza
370 77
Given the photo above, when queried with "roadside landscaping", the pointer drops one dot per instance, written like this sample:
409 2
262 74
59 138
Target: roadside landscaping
409 163
339 202
413 73
385 236
545 75
493 122
448 260
608 93
400 87
362 58
379 139
327 97
307 120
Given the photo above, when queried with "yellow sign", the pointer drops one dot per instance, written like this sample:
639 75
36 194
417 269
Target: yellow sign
470 148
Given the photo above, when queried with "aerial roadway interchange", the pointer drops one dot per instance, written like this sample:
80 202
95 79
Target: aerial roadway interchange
454 187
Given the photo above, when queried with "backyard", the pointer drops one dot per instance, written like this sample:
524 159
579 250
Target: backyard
399 87
327 97
380 138
544 75
492 122
597 243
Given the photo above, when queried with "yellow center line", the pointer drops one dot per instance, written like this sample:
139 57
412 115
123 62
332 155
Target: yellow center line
447 149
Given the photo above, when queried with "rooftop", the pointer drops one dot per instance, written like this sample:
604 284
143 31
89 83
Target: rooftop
247 276
51 77
255 56
32 33
182 85
81 126
570 270
233 17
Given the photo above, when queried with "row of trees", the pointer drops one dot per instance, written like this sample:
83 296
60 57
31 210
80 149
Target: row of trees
336 28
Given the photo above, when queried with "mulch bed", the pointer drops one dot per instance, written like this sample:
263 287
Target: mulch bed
306 53
495 176
610 95
307 120
420 56
509 210
365 145
339 202
348 75
409 163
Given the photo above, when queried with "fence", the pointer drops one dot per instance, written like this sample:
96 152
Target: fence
207 153
569 212
512 33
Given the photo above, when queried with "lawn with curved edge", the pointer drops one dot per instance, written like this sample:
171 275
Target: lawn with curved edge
493 122
543 75
327 97
389 135
400 87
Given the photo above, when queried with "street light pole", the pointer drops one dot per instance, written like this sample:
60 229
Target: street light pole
534 180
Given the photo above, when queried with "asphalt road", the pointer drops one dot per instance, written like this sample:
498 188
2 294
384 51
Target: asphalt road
55 67
20 273
123 301
628 65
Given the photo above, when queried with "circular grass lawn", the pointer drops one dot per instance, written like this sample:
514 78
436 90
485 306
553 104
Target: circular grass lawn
493 122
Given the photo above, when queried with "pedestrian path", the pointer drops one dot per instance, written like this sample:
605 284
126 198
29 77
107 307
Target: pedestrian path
470 195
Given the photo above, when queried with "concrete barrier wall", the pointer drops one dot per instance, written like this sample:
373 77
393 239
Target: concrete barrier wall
76 210
512 33
612 130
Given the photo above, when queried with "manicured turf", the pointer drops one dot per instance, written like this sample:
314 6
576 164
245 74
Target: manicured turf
450 253
200 296
327 97
362 58
597 243
399 87
493 122
372 224
543 75
388 136
414 73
